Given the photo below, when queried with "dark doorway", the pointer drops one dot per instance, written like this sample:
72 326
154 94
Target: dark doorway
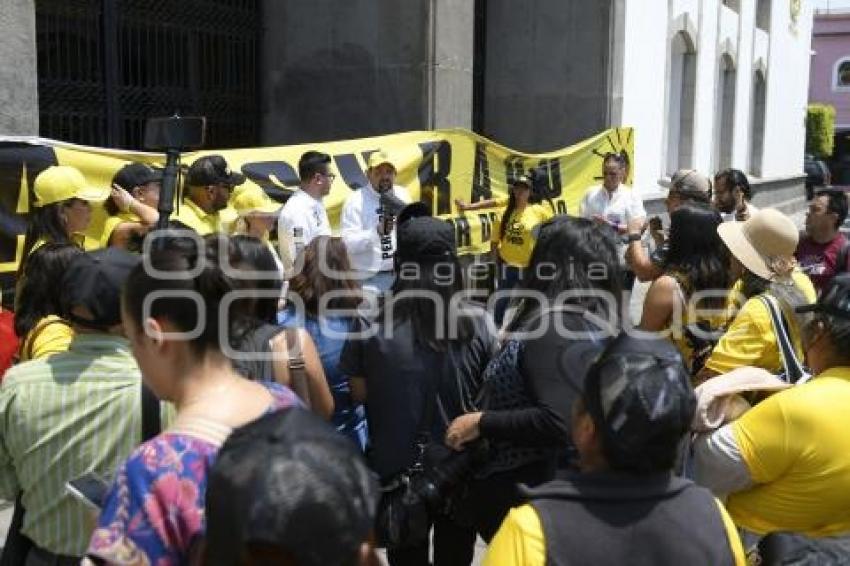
104 66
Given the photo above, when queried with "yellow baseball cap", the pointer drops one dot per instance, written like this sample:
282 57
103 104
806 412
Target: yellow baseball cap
250 198
378 158
59 183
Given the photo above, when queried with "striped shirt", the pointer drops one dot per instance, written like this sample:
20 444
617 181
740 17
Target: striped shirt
61 417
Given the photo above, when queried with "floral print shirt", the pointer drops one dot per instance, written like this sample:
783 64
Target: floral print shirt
154 511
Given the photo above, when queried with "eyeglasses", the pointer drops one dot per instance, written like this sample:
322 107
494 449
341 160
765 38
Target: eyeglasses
330 176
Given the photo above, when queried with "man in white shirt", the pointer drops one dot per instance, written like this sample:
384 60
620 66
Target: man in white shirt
304 217
368 228
614 204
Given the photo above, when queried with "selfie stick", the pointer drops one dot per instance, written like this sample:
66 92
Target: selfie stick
173 135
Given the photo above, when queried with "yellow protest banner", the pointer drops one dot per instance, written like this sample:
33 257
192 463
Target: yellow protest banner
437 167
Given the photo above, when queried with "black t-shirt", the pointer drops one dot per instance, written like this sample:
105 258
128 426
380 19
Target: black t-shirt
401 374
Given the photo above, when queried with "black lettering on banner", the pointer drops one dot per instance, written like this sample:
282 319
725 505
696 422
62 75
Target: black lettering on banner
261 172
350 171
486 227
463 236
561 206
553 174
514 167
17 160
434 179
481 175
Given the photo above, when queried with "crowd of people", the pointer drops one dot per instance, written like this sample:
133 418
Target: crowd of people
250 388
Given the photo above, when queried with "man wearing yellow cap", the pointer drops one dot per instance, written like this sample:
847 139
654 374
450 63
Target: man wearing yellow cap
210 182
368 228
62 208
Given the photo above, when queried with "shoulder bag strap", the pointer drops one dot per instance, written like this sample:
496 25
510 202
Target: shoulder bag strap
297 372
793 368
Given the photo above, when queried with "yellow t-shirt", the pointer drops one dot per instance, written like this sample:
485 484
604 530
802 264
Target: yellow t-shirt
750 341
193 217
85 242
797 448
521 542
516 247
50 335
112 222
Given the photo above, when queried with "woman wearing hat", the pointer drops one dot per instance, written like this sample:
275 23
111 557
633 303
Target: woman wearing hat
257 213
62 212
763 260
513 236
133 207
786 462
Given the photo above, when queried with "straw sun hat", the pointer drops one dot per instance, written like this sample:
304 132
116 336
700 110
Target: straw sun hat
764 244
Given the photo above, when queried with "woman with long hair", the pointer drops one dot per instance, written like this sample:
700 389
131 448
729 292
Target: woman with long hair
38 318
154 512
263 350
513 237
417 366
696 280
329 319
763 264
572 294
62 209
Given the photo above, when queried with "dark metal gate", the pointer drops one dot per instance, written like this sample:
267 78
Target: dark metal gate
104 66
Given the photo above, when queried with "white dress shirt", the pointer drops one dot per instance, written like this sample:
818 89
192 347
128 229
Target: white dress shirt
618 209
359 226
305 213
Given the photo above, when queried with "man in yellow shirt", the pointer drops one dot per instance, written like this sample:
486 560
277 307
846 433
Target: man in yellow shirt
786 461
209 184
625 506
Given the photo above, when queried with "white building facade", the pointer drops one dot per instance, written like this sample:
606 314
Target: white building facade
711 84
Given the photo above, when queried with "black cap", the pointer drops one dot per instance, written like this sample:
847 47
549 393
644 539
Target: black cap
425 238
290 481
639 394
94 280
212 170
835 300
135 175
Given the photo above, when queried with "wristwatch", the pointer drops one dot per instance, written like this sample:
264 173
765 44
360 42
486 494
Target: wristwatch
633 237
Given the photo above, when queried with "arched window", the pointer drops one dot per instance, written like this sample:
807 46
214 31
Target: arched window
681 94
757 134
733 5
724 114
842 74
763 15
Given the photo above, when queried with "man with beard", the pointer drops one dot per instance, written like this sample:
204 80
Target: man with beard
368 227
209 184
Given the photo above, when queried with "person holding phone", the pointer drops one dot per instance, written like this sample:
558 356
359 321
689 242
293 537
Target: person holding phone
616 206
